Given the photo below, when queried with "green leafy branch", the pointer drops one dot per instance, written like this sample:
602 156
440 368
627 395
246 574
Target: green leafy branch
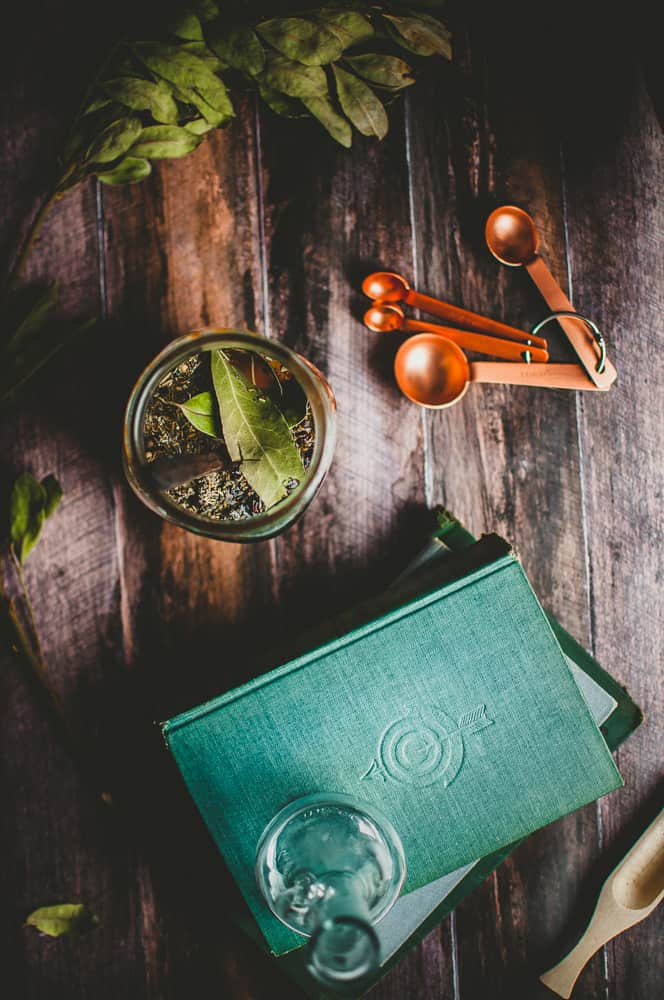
157 99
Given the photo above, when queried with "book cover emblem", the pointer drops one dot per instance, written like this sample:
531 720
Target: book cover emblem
421 748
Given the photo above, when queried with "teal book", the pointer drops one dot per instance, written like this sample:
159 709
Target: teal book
456 713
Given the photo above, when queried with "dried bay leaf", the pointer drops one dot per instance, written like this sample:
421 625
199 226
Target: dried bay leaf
187 26
384 71
114 140
237 46
202 412
287 107
422 34
159 142
144 95
301 39
349 27
130 170
360 104
188 72
337 126
63 918
255 432
292 78
203 52
197 126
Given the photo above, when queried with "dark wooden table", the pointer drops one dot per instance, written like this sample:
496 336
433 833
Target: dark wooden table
270 226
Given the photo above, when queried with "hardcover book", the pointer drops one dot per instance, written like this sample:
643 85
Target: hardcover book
455 713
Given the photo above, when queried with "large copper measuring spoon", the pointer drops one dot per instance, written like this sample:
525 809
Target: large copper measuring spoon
384 318
389 287
434 372
512 239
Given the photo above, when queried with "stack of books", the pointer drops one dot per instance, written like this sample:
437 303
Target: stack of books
453 703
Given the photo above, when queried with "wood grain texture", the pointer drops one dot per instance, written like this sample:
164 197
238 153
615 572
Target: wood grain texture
505 458
616 215
270 226
183 252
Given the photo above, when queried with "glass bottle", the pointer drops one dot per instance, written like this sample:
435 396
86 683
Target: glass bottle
330 867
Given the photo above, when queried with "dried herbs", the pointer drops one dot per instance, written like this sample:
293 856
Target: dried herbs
251 411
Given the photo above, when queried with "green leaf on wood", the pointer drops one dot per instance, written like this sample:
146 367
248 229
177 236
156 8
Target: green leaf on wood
301 39
238 46
130 170
349 27
255 432
63 918
203 413
384 71
53 492
288 107
160 142
197 126
189 73
360 104
323 109
424 35
293 79
114 140
202 51
31 502
144 95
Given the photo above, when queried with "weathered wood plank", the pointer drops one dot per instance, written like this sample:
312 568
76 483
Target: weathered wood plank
505 459
614 160
52 845
183 251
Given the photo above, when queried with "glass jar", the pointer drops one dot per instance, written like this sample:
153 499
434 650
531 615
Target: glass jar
267 523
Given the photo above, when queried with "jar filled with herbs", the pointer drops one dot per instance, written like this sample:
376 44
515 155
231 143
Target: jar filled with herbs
229 435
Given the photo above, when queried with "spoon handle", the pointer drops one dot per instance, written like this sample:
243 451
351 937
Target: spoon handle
545 376
562 977
509 349
469 320
576 332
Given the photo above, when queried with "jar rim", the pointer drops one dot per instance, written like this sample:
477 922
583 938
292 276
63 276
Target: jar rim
267 523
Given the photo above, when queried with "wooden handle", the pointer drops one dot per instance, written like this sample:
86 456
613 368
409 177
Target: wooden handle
545 376
477 342
562 977
575 331
469 320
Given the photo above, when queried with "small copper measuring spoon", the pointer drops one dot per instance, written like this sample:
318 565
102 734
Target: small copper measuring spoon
391 287
434 372
512 239
384 318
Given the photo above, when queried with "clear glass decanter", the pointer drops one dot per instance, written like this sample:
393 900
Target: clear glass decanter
329 867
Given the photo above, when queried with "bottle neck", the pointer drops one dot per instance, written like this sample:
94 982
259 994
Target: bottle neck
343 948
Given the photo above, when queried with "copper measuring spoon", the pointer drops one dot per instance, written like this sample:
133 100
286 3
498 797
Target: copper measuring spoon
384 318
434 372
512 239
391 287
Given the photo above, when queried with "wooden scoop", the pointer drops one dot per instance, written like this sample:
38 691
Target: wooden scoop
630 893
